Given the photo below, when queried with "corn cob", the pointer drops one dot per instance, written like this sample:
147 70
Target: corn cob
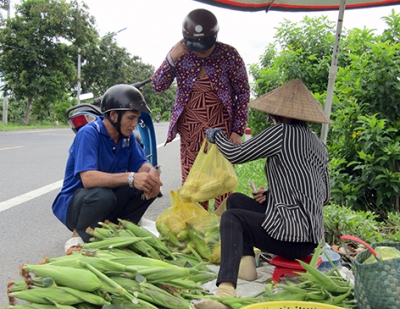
81 279
163 274
163 298
142 261
59 295
120 290
149 237
39 306
101 264
112 242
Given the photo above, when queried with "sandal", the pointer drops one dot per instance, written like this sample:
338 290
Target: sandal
351 249
73 244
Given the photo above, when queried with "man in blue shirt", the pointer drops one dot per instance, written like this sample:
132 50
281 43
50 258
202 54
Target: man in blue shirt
107 176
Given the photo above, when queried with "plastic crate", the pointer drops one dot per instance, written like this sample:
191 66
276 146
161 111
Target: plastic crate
291 305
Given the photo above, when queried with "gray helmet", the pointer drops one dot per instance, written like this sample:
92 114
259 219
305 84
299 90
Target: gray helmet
123 97
200 29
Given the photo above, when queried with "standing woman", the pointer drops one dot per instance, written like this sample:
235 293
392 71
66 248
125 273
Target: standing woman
213 88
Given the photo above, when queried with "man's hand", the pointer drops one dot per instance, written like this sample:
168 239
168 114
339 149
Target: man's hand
148 182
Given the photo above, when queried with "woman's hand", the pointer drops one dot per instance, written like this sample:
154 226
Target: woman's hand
178 51
235 138
258 195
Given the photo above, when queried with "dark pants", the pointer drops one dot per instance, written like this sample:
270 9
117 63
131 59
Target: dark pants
88 207
241 231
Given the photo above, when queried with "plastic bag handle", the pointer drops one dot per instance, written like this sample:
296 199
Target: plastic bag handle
356 239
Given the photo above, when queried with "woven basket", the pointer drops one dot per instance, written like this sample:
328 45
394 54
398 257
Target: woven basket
376 285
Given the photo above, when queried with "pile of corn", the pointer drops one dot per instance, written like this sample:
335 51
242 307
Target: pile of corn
124 266
188 228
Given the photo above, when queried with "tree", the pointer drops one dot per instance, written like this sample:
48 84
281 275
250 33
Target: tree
363 143
39 48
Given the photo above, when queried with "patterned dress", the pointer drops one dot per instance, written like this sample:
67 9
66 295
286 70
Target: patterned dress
203 110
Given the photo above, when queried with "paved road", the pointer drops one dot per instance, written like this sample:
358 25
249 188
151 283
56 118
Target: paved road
31 171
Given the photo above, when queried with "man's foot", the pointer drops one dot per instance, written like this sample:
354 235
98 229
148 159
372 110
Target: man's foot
210 304
73 244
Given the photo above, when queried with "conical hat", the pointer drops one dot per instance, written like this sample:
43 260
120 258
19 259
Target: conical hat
291 100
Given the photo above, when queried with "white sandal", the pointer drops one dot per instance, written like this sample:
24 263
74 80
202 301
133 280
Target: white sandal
73 242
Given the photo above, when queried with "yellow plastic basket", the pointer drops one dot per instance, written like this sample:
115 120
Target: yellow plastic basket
291 305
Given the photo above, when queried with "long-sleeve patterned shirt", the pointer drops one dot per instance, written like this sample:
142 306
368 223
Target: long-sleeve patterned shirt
298 179
227 73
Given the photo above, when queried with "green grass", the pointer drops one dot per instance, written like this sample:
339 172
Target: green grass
250 172
14 127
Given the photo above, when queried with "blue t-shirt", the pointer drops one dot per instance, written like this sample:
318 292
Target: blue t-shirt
93 149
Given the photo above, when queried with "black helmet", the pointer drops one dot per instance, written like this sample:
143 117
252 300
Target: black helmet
200 29
122 98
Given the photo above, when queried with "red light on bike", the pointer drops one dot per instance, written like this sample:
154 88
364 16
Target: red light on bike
78 121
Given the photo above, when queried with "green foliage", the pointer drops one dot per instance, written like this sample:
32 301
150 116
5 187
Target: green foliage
366 225
363 140
365 174
250 172
36 63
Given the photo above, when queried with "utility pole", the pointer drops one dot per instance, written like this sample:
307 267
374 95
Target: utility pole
5 101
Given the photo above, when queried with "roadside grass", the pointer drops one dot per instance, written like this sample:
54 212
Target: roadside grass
18 126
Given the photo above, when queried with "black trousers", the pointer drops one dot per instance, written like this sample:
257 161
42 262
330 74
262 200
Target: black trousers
88 207
241 231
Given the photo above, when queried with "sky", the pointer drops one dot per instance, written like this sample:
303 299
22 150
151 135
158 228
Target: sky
154 26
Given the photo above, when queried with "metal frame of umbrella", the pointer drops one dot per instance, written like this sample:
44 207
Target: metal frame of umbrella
301 6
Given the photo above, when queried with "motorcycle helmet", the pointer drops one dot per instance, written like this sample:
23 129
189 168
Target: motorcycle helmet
200 30
122 98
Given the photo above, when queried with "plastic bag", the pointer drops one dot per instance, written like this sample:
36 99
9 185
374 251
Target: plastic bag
171 224
187 226
211 175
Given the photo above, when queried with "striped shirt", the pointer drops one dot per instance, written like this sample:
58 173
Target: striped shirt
298 179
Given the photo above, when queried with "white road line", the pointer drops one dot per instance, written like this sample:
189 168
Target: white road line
29 196
38 192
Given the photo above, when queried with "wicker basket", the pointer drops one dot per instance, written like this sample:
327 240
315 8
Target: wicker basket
376 285
291 305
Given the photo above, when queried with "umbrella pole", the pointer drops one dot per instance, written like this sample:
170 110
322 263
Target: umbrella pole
333 71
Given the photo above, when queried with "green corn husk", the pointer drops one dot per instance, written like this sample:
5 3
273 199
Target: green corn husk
103 265
47 296
38 306
112 242
151 239
81 279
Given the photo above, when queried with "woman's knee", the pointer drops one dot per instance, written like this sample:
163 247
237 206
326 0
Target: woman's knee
234 200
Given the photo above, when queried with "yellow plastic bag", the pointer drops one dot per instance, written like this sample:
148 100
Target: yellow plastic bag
171 223
210 176
186 227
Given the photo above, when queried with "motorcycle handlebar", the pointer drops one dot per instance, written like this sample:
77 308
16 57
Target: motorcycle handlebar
138 85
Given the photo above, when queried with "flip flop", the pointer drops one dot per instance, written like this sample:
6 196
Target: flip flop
351 249
73 244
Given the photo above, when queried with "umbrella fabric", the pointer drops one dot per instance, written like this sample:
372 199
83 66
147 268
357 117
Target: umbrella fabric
296 5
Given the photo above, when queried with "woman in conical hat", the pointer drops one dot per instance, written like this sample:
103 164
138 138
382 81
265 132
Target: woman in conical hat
285 219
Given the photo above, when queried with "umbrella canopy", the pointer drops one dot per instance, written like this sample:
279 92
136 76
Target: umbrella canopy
303 6
296 5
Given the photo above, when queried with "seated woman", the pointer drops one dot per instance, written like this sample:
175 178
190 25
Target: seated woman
287 218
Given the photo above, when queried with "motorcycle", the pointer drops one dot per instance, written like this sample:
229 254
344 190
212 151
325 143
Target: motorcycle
82 114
